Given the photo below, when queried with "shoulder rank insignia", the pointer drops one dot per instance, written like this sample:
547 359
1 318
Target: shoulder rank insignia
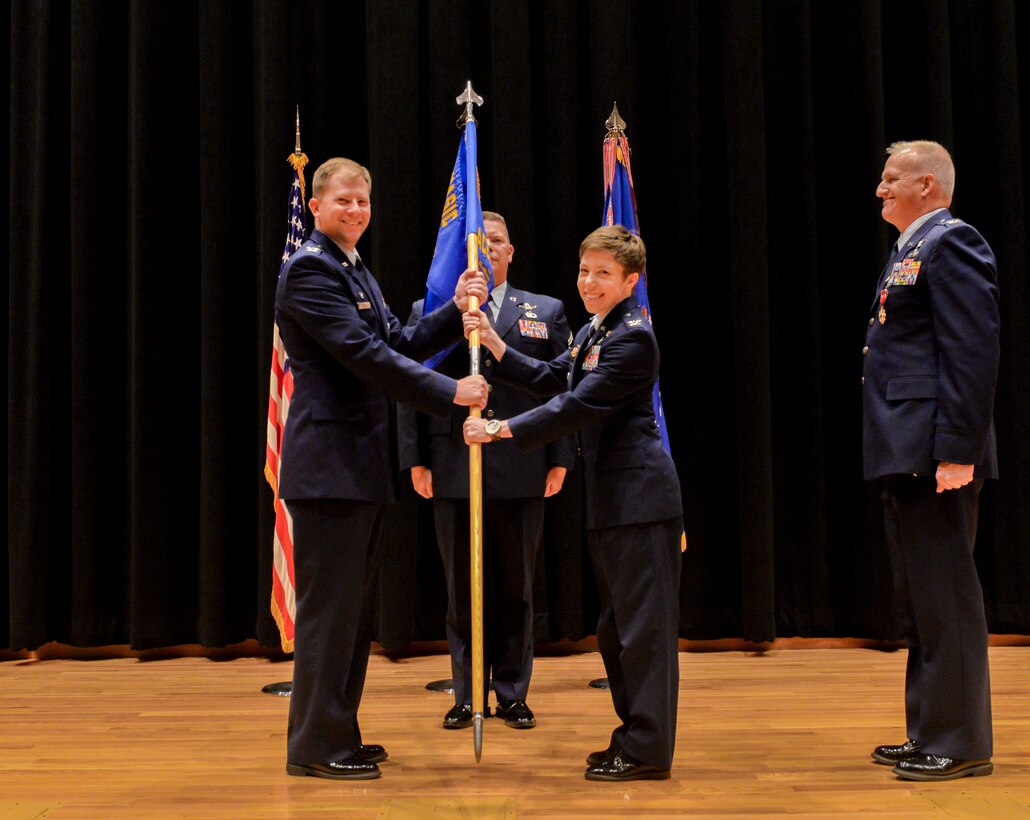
313 248
634 322
951 221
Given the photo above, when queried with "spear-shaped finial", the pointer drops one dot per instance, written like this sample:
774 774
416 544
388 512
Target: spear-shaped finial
468 97
298 159
615 124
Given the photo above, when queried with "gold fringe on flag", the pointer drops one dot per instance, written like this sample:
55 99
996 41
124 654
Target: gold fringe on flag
298 160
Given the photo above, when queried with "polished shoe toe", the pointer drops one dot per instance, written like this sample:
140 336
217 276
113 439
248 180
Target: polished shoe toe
372 752
889 755
516 714
622 767
459 717
351 769
934 767
597 758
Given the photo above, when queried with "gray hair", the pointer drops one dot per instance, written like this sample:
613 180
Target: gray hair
933 158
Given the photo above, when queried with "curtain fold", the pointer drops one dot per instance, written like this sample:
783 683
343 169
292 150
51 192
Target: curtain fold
148 190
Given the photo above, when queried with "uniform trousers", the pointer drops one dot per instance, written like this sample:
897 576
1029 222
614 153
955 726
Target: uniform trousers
512 529
637 569
336 549
930 538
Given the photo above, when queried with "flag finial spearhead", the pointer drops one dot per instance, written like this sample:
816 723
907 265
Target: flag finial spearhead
468 98
615 124
298 159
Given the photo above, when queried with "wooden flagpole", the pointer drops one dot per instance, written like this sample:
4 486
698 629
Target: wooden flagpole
468 98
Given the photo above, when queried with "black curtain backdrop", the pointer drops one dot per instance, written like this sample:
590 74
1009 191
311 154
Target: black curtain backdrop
148 204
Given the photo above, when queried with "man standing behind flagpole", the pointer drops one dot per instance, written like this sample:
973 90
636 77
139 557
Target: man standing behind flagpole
515 484
350 361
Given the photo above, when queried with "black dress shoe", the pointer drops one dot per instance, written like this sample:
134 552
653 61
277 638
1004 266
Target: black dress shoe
597 758
372 752
352 769
516 714
889 755
459 717
932 767
623 767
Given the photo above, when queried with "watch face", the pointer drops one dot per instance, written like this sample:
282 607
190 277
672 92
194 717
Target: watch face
493 427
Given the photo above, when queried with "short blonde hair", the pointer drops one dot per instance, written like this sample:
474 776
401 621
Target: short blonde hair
933 158
331 167
627 248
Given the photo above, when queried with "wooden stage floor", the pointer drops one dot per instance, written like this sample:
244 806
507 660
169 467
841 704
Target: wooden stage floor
784 732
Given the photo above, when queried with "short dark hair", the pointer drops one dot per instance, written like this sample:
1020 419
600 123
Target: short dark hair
333 166
627 248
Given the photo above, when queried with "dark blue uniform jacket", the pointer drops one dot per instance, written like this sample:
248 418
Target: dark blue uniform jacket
931 367
604 391
349 359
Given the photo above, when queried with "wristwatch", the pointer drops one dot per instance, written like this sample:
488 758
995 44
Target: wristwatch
493 429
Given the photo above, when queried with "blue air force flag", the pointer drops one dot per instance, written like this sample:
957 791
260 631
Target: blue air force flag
462 215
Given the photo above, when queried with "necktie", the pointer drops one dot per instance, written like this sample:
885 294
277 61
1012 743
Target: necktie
895 250
363 276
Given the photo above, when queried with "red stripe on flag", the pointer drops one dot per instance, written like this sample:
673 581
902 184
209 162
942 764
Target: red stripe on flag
284 605
280 390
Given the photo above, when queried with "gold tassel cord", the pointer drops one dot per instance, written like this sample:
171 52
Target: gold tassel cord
298 160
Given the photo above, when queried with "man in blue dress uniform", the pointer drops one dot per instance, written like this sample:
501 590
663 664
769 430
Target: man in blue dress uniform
350 361
929 375
515 483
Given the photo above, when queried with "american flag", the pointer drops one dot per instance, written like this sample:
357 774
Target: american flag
280 390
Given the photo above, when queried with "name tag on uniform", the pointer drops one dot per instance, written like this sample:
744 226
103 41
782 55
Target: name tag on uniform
905 272
364 305
590 362
533 330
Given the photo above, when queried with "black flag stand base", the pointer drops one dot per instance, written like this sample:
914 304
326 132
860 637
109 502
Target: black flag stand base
285 688
446 685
